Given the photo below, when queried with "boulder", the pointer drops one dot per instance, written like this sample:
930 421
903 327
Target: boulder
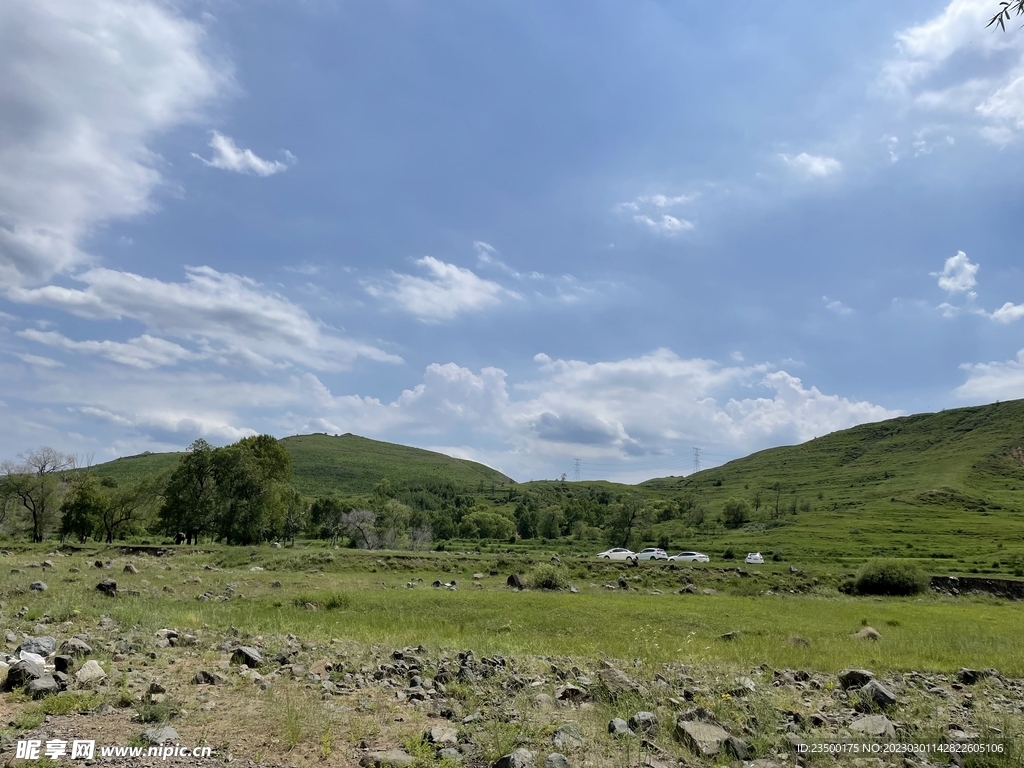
247 655
516 581
971 676
21 673
202 677
854 678
702 738
42 686
736 748
108 587
868 633
73 646
623 584
130 568
556 760
38 586
619 727
441 735
158 736
570 692
567 737
874 694
617 682
63 663
43 645
644 722
877 726
91 672
519 758
392 758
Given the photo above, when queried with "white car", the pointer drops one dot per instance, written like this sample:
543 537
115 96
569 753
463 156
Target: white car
618 553
690 557
754 558
652 553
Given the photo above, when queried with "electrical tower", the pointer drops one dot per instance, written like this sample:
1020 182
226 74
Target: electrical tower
696 459
576 470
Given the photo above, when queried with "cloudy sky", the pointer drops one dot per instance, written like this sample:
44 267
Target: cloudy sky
521 232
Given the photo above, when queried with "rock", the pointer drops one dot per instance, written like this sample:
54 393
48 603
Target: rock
276 584
256 569
516 581
623 584
108 587
644 722
63 663
91 672
520 758
75 647
868 633
762 763
570 692
202 677
556 760
736 748
21 673
878 726
322 667
543 701
247 655
43 645
38 586
130 568
689 589
709 591
877 695
729 636
567 737
42 686
702 738
156 688
619 727
971 676
157 736
392 758
617 682
441 735
854 678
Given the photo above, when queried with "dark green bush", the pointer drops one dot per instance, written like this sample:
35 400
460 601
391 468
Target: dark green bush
546 577
890 577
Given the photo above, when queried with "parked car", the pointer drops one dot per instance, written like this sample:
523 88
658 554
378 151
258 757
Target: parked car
618 553
652 553
690 557
754 558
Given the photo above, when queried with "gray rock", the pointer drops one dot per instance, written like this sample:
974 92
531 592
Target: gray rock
702 738
516 581
91 672
971 676
520 758
623 584
878 726
617 682
43 645
157 736
736 748
247 655
644 722
63 663
108 587
392 758
42 686
38 586
876 694
854 678
567 737
442 735
202 677
544 701
75 647
570 692
449 753
21 673
556 760
619 727
130 568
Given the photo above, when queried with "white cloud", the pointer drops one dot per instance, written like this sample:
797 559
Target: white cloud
228 157
231 318
142 352
666 225
667 201
1008 313
958 274
84 88
43 362
993 381
446 292
834 305
815 166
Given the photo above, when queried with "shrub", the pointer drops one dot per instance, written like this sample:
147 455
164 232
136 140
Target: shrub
546 577
728 554
890 577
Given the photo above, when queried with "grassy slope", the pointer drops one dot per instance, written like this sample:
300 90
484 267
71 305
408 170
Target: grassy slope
346 465
925 485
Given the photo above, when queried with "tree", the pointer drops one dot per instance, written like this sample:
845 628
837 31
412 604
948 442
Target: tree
392 523
190 498
125 506
551 520
81 509
757 501
295 516
1016 7
35 485
631 513
735 512
327 518
778 494
360 526
253 478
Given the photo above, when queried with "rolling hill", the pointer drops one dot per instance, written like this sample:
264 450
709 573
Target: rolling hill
346 465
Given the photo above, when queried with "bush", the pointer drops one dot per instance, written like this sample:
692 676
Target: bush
890 577
728 554
546 577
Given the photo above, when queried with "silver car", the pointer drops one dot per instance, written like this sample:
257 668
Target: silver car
618 553
652 553
690 557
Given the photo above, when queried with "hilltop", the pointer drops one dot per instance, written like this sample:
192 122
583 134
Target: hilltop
344 464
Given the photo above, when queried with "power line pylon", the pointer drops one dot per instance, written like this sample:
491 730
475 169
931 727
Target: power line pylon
696 459
576 470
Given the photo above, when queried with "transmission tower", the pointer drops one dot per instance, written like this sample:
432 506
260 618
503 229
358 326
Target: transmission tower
576 469
696 459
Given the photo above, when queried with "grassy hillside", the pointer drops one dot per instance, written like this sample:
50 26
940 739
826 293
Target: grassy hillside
930 485
346 465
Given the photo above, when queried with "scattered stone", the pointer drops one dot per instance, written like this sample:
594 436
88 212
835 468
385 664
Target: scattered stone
392 758
202 677
971 676
38 586
567 737
543 701
868 633
874 694
729 636
21 673
43 645
556 760
516 581
157 736
63 664
623 584
878 726
91 672
737 748
322 667
617 682
42 686
442 735
709 591
130 568
108 587
570 692
854 678
644 722
689 589
520 758
73 646
156 688
256 569
619 727
702 738
276 584
247 655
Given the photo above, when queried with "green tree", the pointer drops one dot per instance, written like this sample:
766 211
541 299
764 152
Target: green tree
735 512
124 507
626 518
483 524
36 486
327 518
190 497
81 509
551 521
253 478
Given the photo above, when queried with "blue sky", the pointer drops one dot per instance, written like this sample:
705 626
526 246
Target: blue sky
520 232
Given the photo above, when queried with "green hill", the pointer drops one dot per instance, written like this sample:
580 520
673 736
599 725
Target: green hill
346 465
930 485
